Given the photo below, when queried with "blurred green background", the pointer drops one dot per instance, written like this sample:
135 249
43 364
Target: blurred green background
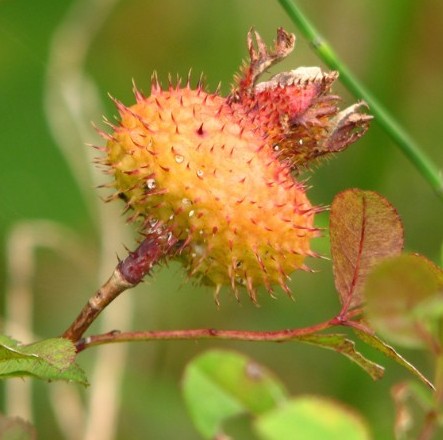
58 62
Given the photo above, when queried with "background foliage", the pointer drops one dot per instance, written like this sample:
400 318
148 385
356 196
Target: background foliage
388 44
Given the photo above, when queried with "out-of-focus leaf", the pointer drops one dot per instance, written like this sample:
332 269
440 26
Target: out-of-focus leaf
14 428
404 300
342 345
220 384
311 418
389 351
407 396
364 229
404 418
50 359
430 309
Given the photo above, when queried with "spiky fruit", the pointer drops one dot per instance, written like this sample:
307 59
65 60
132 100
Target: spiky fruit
219 172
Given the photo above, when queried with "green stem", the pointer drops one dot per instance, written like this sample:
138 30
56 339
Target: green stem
409 147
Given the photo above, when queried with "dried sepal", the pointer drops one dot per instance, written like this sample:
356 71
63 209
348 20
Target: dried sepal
347 127
296 109
260 59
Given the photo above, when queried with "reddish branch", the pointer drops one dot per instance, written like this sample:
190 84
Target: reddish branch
211 333
241 335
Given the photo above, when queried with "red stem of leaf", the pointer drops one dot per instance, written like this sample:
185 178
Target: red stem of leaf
210 333
347 304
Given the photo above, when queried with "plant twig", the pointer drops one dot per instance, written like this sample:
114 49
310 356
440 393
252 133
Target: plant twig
395 131
158 244
96 304
205 333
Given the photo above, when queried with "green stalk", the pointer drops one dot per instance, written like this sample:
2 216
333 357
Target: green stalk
394 130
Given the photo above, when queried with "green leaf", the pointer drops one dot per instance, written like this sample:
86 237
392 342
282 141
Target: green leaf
364 229
14 428
221 384
50 359
404 300
390 352
342 345
311 418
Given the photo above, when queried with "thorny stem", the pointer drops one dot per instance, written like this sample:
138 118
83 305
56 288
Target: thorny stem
396 132
210 333
158 244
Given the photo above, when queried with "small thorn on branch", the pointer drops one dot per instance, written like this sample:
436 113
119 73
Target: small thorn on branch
158 244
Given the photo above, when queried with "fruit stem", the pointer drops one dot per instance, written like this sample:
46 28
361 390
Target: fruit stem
395 131
158 244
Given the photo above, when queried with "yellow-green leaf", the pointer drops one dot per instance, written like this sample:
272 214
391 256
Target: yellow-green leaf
50 359
221 384
311 418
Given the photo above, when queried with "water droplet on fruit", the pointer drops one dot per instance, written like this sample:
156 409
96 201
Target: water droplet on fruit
151 184
153 221
200 173
179 158
276 147
153 225
241 281
186 201
199 249
191 213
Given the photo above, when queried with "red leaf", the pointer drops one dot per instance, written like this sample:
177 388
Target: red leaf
364 229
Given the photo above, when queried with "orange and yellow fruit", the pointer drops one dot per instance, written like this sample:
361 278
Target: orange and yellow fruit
220 172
